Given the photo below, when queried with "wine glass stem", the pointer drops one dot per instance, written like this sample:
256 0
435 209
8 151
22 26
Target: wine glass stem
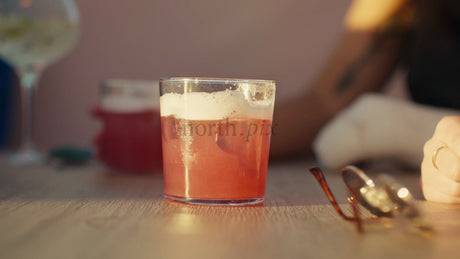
28 80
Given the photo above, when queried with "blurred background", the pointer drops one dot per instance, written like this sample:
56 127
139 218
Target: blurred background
287 41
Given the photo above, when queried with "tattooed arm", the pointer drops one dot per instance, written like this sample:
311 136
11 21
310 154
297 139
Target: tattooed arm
363 60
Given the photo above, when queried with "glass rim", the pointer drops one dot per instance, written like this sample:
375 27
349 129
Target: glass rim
216 80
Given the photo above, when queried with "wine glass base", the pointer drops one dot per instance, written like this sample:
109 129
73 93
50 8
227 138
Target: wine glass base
25 157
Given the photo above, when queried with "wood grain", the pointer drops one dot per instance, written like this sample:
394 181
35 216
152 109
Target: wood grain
88 212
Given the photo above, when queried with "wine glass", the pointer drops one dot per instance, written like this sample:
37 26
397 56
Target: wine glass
34 34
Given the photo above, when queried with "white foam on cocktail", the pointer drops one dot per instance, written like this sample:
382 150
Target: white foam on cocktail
214 106
123 104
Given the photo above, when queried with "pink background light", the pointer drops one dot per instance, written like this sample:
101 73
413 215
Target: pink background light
287 41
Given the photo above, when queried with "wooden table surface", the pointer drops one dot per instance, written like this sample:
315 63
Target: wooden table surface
87 212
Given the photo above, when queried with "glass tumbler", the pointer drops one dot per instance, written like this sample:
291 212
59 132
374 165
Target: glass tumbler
130 139
216 139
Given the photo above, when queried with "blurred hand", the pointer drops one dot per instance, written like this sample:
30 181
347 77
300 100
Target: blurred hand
441 162
377 126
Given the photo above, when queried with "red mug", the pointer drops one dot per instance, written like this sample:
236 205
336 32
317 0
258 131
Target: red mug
130 139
